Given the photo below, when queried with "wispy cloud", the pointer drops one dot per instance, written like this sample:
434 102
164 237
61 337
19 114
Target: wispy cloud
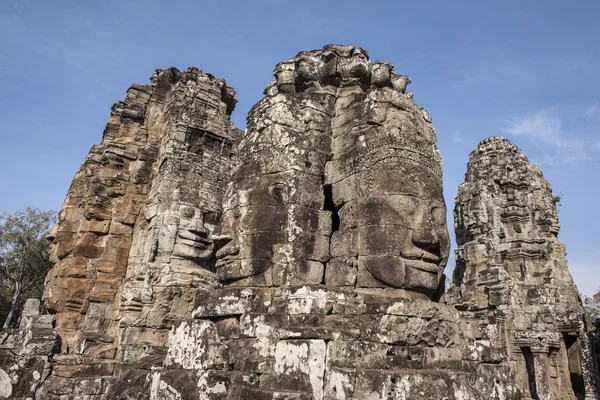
74 40
498 67
592 110
545 129
78 43
457 137
541 125
13 27
591 115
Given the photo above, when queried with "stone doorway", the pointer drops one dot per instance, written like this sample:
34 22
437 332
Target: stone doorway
574 359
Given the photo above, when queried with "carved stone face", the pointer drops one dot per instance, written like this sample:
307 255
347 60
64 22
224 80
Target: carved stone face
192 241
402 237
253 222
356 68
308 68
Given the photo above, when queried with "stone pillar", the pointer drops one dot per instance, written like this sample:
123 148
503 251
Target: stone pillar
542 383
587 367
594 341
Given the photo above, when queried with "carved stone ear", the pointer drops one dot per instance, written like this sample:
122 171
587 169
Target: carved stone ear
280 192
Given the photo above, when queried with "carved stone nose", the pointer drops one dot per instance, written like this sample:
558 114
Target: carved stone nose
226 245
51 236
426 239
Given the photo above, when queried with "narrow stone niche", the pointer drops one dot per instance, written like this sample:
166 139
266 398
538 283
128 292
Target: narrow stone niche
529 364
330 206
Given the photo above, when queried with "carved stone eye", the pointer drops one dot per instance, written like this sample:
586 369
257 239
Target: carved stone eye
188 212
438 215
211 217
279 191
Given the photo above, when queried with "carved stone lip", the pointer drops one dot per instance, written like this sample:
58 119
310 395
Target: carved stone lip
194 239
221 240
422 256
225 261
422 265
200 245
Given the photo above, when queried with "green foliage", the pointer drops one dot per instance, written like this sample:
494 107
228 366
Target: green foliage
591 307
558 199
24 258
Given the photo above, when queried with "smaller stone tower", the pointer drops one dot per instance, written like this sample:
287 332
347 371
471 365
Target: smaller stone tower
511 283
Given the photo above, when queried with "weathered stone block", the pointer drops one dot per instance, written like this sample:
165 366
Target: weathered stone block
196 345
299 366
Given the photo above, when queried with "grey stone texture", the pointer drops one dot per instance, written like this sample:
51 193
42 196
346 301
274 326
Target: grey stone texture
304 258
339 182
26 353
594 338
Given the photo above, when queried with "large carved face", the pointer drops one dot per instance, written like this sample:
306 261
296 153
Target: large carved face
357 68
192 241
253 223
308 68
402 237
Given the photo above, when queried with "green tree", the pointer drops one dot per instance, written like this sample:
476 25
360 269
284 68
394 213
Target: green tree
24 256
591 307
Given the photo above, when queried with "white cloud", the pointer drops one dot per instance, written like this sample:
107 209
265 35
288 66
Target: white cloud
544 128
592 110
501 68
542 124
457 138
493 68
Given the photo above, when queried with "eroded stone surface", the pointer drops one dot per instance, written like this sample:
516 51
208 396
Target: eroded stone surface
317 343
26 353
339 182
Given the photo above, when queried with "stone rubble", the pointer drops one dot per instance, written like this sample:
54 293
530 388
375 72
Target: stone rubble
303 258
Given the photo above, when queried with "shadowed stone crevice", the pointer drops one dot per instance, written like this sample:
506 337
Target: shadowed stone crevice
331 207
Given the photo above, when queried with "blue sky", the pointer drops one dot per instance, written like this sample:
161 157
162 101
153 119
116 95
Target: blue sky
528 70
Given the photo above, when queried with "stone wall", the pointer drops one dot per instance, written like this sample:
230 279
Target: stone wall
594 338
26 353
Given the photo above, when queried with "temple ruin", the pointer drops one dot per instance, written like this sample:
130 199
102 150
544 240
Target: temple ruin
301 259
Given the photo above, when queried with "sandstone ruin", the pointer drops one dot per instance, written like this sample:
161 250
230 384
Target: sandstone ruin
302 258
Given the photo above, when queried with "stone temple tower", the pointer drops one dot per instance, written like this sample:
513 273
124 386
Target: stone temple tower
131 244
331 251
511 282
